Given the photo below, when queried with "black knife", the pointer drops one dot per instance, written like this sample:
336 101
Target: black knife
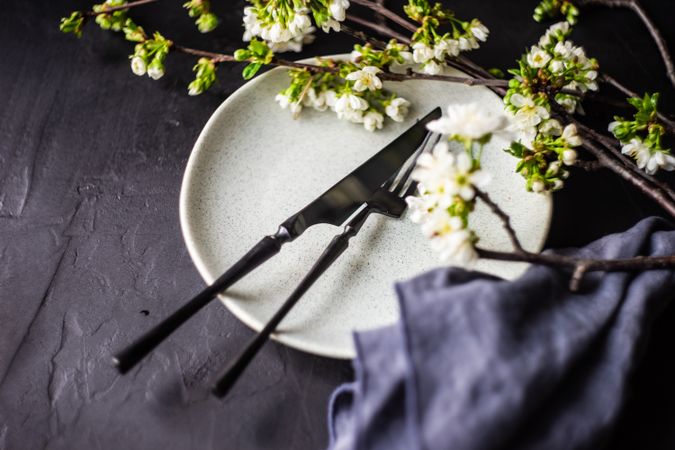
332 207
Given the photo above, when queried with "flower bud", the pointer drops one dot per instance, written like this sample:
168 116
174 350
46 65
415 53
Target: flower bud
156 69
138 65
569 157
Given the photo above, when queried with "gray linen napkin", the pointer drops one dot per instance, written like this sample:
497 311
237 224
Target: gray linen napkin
477 362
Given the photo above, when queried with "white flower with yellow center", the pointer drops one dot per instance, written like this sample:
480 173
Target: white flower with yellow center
538 57
468 121
338 9
422 52
350 107
373 120
366 79
649 160
397 109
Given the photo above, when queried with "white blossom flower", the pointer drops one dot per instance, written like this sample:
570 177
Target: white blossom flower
300 23
538 186
373 120
613 125
286 103
295 44
529 114
156 70
557 66
350 107
469 43
422 52
397 109
559 29
331 98
551 127
432 169
449 237
456 247
568 103
446 47
479 31
420 206
338 9
569 157
278 33
538 57
138 66
432 67
563 49
469 121
314 100
649 160
463 179
365 79
570 135
330 24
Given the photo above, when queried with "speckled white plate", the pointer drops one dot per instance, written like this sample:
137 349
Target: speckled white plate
254 165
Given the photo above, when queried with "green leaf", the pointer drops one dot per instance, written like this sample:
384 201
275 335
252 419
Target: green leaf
250 70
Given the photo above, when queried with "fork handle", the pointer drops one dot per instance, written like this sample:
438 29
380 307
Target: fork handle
335 248
261 252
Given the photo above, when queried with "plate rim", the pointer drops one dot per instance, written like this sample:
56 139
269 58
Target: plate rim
242 315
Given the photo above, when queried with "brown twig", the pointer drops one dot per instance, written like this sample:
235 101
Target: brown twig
610 145
581 266
379 17
669 124
379 28
385 12
636 7
589 166
108 9
506 220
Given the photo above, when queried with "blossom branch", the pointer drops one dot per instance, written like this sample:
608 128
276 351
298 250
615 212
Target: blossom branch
385 12
608 144
506 220
377 27
669 124
581 266
108 9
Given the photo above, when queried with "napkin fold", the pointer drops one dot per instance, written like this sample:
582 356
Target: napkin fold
477 362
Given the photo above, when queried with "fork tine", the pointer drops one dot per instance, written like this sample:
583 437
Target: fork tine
395 179
404 180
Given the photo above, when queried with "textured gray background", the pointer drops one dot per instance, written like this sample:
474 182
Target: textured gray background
91 160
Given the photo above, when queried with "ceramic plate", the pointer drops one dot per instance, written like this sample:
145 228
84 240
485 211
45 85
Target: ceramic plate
254 165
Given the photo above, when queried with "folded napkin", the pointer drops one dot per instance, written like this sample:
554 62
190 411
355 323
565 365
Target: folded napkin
477 362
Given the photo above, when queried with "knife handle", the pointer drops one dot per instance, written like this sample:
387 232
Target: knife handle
261 252
337 246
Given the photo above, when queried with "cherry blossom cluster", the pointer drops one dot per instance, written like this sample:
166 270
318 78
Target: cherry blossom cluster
544 145
352 89
550 9
286 24
441 35
201 10
641 137
448 178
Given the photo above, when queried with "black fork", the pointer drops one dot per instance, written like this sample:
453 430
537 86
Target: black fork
389 200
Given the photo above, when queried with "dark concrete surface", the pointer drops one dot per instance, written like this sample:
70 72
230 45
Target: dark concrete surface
91 161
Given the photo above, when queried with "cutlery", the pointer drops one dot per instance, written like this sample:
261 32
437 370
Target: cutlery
388 200
332 207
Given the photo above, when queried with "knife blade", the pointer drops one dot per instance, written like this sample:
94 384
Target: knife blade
332 207
340 201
